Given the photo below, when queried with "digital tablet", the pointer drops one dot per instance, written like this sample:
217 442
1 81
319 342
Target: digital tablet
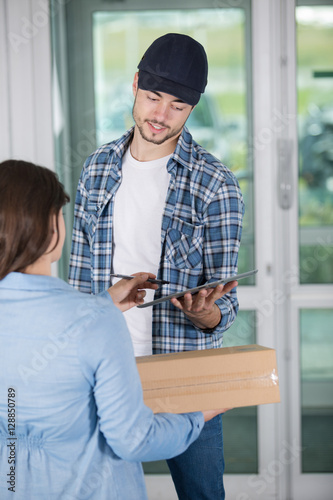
213 284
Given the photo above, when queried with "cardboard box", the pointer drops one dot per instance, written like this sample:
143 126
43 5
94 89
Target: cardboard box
228 377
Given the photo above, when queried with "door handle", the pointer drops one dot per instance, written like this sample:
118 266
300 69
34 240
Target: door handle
285 178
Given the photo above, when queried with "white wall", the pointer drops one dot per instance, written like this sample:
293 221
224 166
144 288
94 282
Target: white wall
25 82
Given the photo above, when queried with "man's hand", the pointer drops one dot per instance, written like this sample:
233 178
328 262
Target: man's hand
129 293
201 308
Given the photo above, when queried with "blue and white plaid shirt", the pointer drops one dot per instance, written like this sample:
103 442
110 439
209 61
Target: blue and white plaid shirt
200 235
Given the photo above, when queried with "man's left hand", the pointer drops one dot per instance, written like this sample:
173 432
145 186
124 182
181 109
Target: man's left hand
201 308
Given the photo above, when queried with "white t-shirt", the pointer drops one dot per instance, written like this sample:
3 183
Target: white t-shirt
138 210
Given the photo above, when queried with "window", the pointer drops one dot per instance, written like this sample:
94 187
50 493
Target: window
100 67
315 125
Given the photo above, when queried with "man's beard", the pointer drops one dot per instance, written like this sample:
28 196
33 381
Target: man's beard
139 123
157 140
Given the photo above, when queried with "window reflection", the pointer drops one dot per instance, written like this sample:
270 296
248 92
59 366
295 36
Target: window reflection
317 389
219 122
315 116
240 425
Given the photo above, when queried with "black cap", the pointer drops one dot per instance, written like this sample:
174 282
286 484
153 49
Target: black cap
175 64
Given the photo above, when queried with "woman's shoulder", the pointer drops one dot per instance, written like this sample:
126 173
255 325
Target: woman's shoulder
88 305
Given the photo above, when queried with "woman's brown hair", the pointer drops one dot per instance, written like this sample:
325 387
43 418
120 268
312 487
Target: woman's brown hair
29 196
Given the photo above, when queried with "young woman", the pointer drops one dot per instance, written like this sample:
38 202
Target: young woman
73 424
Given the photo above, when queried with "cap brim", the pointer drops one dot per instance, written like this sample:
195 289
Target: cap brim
149 81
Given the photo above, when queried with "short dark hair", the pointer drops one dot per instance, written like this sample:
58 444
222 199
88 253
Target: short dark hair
29 196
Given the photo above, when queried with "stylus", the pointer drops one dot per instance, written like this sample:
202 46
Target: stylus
151 280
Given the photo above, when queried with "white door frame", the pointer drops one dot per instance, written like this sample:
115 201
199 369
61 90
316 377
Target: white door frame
27 132
293 484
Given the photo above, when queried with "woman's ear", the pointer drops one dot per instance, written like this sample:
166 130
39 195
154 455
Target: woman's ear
54 224
54 233
58 236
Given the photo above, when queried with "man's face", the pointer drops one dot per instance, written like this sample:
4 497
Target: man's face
159 117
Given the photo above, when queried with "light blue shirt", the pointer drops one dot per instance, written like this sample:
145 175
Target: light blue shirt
68 369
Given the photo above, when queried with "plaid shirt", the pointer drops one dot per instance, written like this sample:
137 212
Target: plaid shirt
200 235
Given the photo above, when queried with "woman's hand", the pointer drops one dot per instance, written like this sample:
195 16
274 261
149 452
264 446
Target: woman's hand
209 414
129 293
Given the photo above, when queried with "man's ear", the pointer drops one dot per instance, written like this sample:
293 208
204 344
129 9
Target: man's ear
135 83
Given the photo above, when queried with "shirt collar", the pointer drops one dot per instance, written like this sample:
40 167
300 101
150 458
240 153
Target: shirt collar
183 153
121 145
21 281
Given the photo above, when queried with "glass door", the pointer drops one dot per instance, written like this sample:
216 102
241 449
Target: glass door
312 305
221 122
303 255
267 114
104 43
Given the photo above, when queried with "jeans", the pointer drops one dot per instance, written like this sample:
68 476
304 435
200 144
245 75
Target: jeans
198 472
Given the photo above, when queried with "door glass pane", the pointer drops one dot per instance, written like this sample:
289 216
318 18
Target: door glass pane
240 435
220 122
99 74
240 431
317 389
315 114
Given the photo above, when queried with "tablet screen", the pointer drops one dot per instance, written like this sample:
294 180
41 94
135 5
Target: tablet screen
212 284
